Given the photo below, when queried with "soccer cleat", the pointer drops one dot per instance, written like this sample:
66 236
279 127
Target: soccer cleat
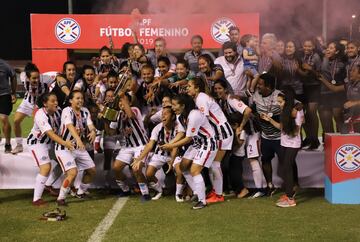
199 205
39 203
286 202
73 191
145 198
211 194
157 196
179 198
61 202
18 149
194 198
7 148
215 199
243 193
83 196
51 191
256 195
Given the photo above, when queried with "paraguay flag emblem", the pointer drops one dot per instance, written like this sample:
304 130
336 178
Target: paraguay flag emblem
220 29
67 31
347 158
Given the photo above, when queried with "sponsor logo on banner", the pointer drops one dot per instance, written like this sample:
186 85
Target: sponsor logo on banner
220 29
67 31
347 158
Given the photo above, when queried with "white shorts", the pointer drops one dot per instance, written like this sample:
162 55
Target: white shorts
26 108
177 160
158 161
204 157
74 159
190 153
225 144
110 142
253 146
200 156
40 152
126 154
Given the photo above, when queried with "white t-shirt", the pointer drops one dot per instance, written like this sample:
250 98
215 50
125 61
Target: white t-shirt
210 108
234 105
240 150
233 73
199 129
293 141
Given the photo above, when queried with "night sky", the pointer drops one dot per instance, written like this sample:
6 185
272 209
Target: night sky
15 20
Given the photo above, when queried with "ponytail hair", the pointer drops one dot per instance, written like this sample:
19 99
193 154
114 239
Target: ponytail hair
29 68
187 101
43 98
287 120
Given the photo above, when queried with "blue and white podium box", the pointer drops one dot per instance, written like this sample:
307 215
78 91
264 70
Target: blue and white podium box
342 168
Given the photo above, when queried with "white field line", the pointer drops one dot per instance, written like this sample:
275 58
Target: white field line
107 221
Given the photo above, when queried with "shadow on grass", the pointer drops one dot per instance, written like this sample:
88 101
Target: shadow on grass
21 195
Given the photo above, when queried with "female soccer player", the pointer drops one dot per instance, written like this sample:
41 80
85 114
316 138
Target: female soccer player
41 139
199 154
163 133
35 85
76 126
231 105
223 134
130 125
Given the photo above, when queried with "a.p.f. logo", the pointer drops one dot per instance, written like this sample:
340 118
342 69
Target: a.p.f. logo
347 158
220 29
67 31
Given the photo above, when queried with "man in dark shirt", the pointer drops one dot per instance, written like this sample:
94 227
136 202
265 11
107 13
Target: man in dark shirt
7 99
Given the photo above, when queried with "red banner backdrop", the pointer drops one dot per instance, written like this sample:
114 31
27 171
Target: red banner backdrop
64 32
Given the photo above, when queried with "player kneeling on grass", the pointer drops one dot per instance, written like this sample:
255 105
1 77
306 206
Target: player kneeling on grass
131 126
202 152
41 139
163 133
76 125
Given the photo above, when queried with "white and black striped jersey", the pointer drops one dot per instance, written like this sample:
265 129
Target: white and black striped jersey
232 105
131 128
200 130
33 92
161 136
211 109
81 122
44 122
268 105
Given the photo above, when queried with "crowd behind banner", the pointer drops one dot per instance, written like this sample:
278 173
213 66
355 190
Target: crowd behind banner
197 118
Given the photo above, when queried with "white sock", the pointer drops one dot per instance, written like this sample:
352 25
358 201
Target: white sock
190 181
200 187
122 185
143 188
156 186
55 173
160 175
63 192
217 178
39 186
83 188
179 189
257 173
19 140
